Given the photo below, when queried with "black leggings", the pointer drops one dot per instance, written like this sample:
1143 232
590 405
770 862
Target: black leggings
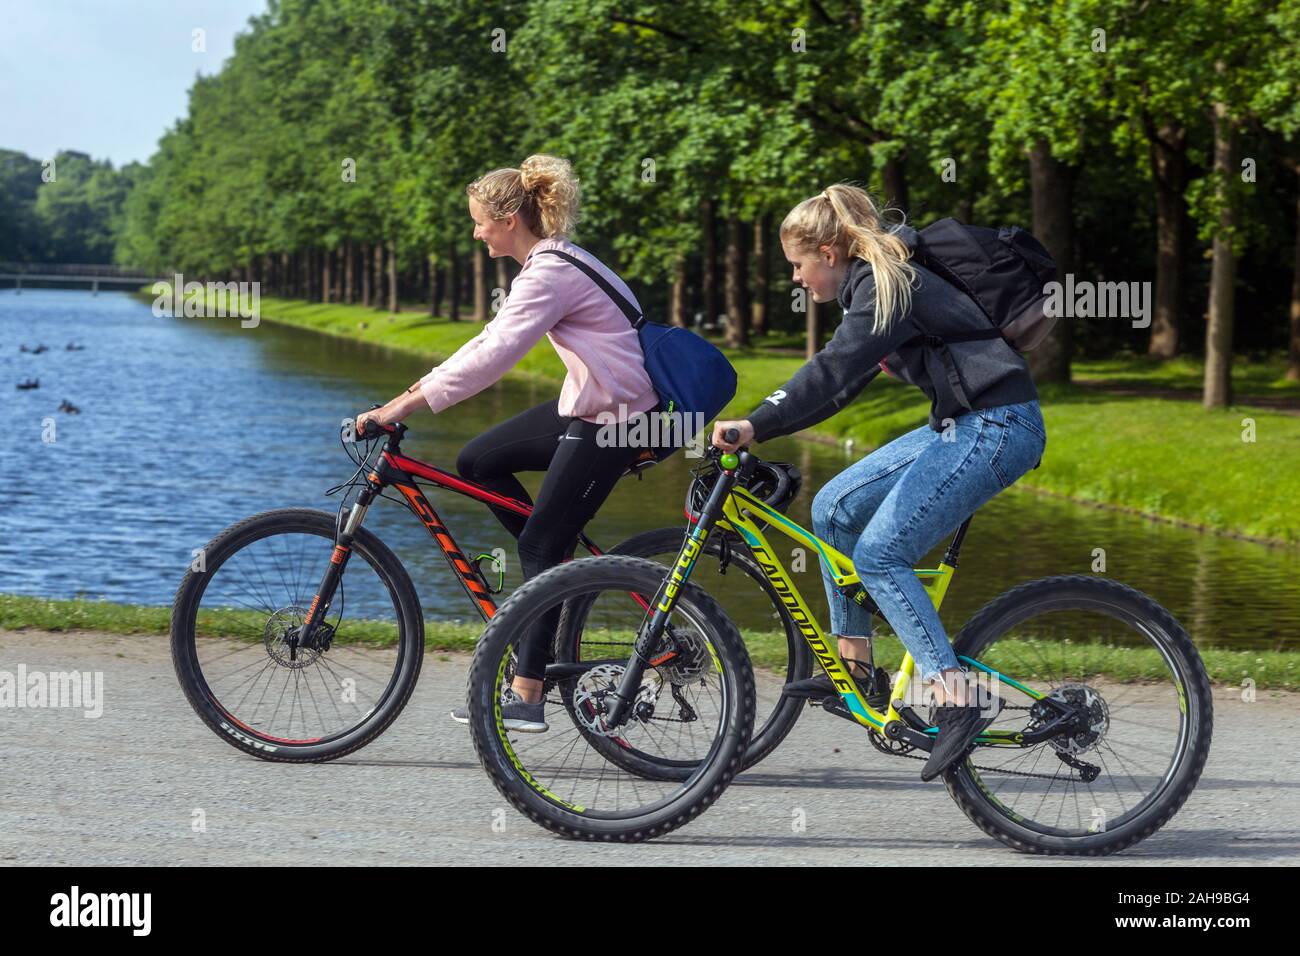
580 474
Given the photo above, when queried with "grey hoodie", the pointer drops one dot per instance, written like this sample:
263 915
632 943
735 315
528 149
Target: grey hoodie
991 372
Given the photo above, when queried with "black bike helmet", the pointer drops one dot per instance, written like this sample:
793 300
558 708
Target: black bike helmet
775 483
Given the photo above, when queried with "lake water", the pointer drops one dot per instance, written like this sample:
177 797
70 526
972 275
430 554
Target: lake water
187 425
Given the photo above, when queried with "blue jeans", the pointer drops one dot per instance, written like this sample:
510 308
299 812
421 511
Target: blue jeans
889 509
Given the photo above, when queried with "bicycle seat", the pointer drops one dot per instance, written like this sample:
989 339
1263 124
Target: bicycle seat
643 461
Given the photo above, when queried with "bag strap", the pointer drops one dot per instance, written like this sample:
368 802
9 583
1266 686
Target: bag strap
940 345
626 307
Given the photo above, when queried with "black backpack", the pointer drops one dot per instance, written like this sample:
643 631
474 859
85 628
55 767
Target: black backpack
1003 271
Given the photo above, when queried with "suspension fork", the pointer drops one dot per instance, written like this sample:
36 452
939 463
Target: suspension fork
665 599
324 596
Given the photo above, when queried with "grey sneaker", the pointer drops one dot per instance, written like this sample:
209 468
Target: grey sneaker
515 714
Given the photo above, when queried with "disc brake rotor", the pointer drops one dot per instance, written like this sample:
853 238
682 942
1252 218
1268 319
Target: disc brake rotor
590 695
692 661
279 636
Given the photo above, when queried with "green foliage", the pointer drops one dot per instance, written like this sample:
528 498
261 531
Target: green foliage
67 211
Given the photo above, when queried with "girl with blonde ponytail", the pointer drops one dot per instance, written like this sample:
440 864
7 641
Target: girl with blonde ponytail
525 213
890 508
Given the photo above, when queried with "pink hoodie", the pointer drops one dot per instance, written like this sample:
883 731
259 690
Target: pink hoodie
596 342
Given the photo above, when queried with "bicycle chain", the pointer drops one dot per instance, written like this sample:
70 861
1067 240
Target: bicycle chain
1014 773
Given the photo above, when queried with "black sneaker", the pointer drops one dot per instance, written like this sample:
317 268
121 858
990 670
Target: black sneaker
515 714
958 727
875 689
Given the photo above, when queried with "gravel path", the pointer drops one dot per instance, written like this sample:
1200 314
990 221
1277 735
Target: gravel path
126 787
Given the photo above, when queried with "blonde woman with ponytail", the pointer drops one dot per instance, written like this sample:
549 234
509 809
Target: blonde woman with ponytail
890 508
524 213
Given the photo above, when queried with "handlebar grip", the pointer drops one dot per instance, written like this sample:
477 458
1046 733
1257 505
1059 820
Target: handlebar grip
374 430
731 435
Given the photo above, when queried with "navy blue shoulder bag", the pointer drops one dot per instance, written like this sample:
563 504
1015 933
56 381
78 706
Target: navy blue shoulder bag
689 374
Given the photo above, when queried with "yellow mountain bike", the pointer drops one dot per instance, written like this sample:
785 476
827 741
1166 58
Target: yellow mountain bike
1105 730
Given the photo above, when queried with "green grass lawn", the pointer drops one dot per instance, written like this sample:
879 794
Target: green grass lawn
1264 376
1279 670
1155 456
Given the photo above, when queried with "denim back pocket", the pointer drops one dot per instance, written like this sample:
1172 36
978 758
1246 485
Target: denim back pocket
1020 444
1029 416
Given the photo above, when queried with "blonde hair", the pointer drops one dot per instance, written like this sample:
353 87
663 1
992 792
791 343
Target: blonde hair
543 192
845 218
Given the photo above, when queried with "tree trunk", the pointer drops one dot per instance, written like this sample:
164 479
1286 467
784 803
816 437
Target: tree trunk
365 274
1049 181
378 299
893 180
480 283
1223 272
1293 365
284 287
453 284
814 329
677 295
762 275
503 276
434 291
708 274
1169 169
393 305
326 284
737 308
347 272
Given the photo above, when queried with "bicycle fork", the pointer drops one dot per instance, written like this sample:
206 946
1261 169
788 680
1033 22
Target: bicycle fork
665 600
320 603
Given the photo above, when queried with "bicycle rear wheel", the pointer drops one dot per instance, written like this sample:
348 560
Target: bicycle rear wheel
232 634
698 708
1142 715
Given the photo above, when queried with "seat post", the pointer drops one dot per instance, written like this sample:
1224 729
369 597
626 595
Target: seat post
950 557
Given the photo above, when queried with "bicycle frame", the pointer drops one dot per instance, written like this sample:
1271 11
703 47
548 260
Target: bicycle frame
402 471
741 512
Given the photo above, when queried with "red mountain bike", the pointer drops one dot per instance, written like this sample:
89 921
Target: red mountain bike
298 635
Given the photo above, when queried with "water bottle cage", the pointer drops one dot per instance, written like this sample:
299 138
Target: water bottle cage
497 569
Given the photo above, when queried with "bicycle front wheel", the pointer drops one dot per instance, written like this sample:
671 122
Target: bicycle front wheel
695 705
234 623
1120 697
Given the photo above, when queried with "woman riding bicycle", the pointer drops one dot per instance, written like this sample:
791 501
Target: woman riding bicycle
519 213
889 509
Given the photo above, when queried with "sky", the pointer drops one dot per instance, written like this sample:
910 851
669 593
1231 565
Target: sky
106 77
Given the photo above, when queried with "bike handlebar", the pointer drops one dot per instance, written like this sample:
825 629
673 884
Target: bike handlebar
374 429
